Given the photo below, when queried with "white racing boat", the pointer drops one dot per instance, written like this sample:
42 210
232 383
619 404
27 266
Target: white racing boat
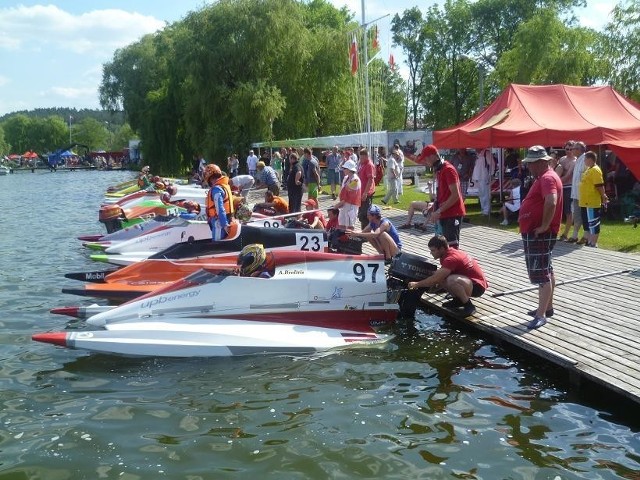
179 243
314 301
216 338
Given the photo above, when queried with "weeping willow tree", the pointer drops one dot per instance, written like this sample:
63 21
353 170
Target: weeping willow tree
233 73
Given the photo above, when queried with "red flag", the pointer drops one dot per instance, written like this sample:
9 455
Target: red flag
353 55
375 43
392 62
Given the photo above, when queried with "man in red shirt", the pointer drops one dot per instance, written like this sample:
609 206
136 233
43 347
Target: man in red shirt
449 209
539 219
367 175
459 274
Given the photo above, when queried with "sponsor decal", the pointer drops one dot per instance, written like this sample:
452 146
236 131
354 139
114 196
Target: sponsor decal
94 276
162 299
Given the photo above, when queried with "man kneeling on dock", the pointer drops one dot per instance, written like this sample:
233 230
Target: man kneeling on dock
459 274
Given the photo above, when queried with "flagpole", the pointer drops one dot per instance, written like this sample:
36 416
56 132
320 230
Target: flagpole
366 81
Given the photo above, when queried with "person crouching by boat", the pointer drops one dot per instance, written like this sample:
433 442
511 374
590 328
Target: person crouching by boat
219 202
253 261
459 274
313 216
267 177
350 196
381 233
272 205
244 183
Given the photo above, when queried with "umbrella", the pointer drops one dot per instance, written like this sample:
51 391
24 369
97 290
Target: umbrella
30 154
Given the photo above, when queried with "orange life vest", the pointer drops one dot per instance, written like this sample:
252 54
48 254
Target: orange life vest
223 183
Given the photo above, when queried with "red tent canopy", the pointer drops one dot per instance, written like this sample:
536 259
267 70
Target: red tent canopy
525 115
30 154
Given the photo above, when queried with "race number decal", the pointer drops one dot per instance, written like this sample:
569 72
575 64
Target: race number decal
310 242
366 272
271 223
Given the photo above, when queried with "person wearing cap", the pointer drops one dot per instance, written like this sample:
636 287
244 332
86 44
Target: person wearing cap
381 233
313 216
592 198
252 163
565 171
219 206
350 196
579 148
267 178
332 220
367 176
295 181
539 220
459 274
448 208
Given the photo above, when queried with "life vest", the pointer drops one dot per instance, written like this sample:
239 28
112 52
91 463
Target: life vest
223 183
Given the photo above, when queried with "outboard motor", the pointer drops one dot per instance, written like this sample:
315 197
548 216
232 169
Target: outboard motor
405 268
340 242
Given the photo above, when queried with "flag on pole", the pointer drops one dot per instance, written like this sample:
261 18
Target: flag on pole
353 55
375 43
392 62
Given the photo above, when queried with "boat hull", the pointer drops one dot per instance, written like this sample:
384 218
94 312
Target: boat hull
218 338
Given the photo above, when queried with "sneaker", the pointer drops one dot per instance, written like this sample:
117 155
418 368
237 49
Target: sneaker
562 238
572 240
533 313
468 309
405 226
537 322
333 196
582 241
455 303
421 226
504 223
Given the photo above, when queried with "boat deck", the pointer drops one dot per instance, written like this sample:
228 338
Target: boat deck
595 332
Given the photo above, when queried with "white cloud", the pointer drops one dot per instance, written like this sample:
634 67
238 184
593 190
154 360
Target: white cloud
73 93
98 31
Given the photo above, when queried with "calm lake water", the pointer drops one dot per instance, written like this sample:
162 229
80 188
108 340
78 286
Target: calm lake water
436 403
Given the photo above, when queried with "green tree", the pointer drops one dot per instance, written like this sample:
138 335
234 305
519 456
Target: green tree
4 146
92 133
409 33
16 130
621 45
563 54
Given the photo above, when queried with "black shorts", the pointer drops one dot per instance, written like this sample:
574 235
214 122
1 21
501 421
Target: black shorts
451 230
566 200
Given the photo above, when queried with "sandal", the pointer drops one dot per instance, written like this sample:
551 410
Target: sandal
421 227
405 226
572 240
562 238
582 241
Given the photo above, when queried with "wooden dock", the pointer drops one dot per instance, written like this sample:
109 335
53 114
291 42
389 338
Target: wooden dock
595 332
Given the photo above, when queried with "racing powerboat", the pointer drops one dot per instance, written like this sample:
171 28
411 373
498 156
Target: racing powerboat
242 235
314 301
181 259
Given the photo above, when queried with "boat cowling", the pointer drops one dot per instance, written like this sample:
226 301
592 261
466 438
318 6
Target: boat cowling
340 242
405 268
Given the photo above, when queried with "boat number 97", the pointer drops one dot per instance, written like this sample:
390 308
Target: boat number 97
309 243
361 272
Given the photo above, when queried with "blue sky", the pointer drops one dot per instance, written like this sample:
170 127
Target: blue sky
52 51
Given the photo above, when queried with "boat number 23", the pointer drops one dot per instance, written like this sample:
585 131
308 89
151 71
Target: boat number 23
309 243
363 272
